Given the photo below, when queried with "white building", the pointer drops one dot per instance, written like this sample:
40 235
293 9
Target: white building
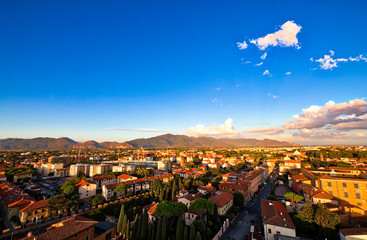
47 168
79 168
99 169
276 220
164 165
86 189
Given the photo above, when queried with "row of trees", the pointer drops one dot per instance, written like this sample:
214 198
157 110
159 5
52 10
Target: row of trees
317 220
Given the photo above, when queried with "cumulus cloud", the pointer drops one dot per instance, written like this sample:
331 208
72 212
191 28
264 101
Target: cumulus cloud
259 64
263 56
288 73
266 72
340 116
242 45
225 130
137 129
285 37
328 62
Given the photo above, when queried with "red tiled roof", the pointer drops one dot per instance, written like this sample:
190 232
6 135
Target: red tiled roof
124 176
275 213
84 182
221 199
65 229
35 205
103 177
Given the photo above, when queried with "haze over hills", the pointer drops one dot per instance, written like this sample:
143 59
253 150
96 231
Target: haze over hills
161 141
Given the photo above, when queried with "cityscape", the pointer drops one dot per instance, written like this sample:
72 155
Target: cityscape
191 120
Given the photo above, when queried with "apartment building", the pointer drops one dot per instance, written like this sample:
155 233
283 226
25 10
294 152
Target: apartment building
47 168
86 188
79 168
97 169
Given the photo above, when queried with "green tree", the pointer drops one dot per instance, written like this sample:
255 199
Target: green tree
97 200
122 189
192 231
68 188
325 218
201 206
294 198
238 199
186 233
161 198
200 227
127 229
121 219
134 231
144 226
198 236
124 222
174 190
156 185
179 230
158 236
307 213
164 228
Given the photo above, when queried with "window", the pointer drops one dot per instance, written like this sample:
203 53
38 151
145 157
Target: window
76 235
329 184
278 232
87 238
269 230
359 204
344 184
346 195
358 195
87 230
330 192
356 185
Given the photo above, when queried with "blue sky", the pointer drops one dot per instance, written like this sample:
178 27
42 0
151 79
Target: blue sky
98 70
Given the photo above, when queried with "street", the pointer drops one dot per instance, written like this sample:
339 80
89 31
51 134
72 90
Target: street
250 215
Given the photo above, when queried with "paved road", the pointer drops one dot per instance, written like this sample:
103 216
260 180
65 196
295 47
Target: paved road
250 215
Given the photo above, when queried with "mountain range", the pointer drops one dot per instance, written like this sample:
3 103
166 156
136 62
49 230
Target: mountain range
161 141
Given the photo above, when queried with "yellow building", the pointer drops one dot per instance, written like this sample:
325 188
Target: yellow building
351 190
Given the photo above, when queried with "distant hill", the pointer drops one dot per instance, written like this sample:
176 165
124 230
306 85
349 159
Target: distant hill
162 141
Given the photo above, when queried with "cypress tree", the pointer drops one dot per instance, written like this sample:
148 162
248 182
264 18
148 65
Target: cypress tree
198 236
158 236
149 233
186 233
138 233
123 231
192 231
135 227
174 190
164 228
127 230
161 196
180 185
121 219
153 233
144 226
179 230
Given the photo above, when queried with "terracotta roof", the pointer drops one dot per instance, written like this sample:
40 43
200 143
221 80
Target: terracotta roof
13 196
323 195
238 185
151 208
221 199
275 213
192 197
34 205
84 182
104 177
22 173
124 176
300 177
65 229
353 231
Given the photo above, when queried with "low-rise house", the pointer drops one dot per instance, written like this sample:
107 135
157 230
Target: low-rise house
33 212
21 175
224 201
104 179
188 198
151 212
78 228
276 220
125 177
86 188
353 233
209 189
108 189
232 186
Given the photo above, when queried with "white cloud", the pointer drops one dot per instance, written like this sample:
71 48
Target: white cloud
137 129
285 37
273 96
225 130
328 62
242 45
266 72
217 89
215 100
263 56
288 73
259 64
